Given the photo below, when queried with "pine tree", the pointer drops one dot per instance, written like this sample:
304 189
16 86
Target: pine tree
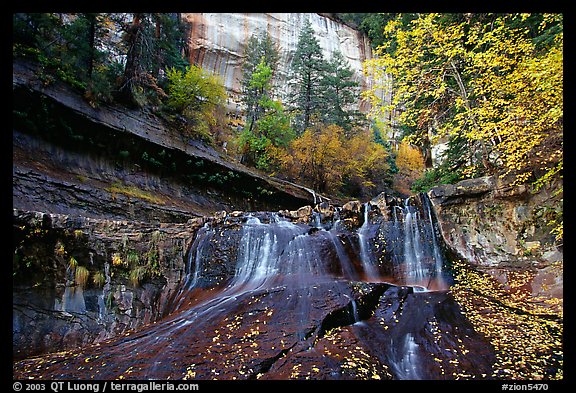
260 52
339 92
269 126
308 68
153 42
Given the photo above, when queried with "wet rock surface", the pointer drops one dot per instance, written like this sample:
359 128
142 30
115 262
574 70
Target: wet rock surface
289 332
263 297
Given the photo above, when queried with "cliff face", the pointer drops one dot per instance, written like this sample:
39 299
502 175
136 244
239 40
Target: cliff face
501 230
112 162
217 42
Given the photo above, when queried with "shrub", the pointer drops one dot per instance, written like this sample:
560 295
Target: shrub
117 259
137 274
197 96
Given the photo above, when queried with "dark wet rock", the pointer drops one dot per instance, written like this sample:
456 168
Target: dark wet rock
51 312
291 332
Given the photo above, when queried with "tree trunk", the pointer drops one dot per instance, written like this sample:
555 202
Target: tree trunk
91 40
132 68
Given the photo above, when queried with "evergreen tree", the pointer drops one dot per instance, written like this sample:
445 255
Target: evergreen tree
339 92
308 68
260 52
152 44
269 127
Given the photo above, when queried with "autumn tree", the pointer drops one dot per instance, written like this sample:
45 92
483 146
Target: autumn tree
492 80
195 95
328 161
410 164
317 158
367 168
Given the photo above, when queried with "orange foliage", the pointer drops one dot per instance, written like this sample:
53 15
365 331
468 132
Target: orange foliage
327 161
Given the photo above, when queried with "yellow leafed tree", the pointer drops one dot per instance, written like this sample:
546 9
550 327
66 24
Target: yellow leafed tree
494 81
326 160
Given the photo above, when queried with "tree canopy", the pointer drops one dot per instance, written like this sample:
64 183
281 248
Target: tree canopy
493 81
487 86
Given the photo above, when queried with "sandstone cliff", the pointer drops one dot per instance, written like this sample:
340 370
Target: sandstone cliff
217 42
501 229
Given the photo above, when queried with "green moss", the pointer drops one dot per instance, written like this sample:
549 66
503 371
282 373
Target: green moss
134 192
132 258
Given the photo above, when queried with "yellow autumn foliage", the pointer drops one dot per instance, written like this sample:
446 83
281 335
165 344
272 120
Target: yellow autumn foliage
492 80
325 159
409 158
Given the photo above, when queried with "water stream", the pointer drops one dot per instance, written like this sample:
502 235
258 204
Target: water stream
280 253
261 288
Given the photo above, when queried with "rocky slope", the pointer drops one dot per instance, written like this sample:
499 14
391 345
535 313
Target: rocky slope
283 295
297 307
53 312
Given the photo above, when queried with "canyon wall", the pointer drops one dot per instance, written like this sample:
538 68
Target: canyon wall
217 42
502 230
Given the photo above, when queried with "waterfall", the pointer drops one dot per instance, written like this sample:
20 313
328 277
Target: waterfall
370 269
354 309
436 248
416 271
405 358
198 247
420 258
280 252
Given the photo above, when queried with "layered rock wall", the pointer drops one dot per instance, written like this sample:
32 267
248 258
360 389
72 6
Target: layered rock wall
113 162
502 229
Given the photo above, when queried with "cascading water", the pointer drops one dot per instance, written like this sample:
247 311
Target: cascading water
268 297
406 358
280 252
269 254
414 246
416 271
370 270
